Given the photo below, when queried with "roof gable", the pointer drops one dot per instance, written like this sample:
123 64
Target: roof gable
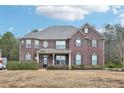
92 29
77 32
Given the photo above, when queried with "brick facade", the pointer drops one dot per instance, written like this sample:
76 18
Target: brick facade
86 50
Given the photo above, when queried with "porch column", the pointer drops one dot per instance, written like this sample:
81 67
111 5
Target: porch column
38 57
70 60
53 59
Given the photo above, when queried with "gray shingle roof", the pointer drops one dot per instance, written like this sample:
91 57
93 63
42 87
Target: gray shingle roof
54 32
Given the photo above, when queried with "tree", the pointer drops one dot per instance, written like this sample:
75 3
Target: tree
9 46
109 36
114 45
120 41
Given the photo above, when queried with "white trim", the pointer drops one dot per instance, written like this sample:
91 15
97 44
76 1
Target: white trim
28 43
70 60
103 52
76 58
92 58
53 59
77 32
86 30
36 43
28 56
37 57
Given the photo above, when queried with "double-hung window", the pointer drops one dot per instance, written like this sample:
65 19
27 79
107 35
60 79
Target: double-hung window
60 59
94 59
28 43
60 45
78 59
28 56
94 43
36 43
78 43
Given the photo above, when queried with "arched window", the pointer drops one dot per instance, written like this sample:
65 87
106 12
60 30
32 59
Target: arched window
94 59
78 59
86 30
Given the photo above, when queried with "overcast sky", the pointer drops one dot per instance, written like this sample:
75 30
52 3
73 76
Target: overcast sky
22 19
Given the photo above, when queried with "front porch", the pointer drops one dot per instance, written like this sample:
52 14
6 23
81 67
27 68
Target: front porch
53 57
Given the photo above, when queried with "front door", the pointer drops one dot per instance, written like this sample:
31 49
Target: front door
45 60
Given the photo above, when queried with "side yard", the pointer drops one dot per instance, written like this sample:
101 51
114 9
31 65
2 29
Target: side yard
61 78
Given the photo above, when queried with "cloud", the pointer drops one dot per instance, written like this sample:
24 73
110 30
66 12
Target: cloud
121 19
69 13
11 29
79 12
116 9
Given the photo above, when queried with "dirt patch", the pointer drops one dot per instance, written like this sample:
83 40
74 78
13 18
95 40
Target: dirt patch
61 79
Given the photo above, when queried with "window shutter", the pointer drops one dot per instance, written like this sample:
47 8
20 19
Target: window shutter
82 41
97 43
90 43
97 59
82 59
75 43
74 59
90 59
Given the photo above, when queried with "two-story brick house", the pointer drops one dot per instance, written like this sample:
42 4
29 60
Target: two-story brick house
63 45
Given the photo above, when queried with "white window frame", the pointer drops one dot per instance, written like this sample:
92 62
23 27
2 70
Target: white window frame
61 59
94 59
37 43
78 59
28 56
94 42
86 30
78 42
60 44
22 41
28 43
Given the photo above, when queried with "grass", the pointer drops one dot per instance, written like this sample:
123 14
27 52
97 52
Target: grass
61 78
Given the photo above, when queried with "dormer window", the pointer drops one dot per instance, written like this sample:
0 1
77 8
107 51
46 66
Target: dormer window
86 29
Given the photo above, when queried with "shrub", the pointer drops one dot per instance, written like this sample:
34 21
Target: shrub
93 67
22 66
114 64
58 67
50 67
77 67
